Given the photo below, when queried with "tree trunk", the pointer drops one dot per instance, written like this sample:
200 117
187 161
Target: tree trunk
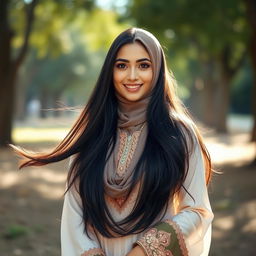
253 57
6 110
9 68
209 94
222 101
6 80
251 10
203 92
194 102
252 52
227 72
20 102
202 101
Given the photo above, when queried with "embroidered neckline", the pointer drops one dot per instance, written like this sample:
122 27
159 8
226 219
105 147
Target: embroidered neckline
128 144
121 203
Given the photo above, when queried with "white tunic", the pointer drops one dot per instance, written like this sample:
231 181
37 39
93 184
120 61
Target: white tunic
194 218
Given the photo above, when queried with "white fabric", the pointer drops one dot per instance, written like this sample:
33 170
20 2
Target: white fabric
193 217
73 240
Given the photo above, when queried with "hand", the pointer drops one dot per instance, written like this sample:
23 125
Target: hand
136 251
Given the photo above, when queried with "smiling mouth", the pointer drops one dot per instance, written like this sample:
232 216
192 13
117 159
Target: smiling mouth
133 86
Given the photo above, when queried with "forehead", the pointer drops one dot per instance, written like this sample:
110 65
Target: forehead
133 50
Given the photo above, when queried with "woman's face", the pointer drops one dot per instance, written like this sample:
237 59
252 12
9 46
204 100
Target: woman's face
133 72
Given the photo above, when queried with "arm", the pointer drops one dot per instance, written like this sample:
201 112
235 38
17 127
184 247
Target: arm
194 217
188 231
74 242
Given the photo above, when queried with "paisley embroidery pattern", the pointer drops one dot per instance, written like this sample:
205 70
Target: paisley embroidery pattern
155 242
165 238
128 143
93 252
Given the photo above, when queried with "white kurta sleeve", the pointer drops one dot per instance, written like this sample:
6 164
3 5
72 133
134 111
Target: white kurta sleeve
74 241
194 214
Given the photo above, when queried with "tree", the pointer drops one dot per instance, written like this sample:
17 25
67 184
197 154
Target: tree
213 33
251 10
68 61
9 65
13 23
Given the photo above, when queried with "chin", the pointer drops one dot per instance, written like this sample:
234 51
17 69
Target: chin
133 98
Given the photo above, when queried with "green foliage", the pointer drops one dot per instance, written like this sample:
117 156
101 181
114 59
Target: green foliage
195 32
101 27
207 23
67 46
51 23
55 19
14 231
198 29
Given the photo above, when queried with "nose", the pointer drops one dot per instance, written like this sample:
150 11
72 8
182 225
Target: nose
133 74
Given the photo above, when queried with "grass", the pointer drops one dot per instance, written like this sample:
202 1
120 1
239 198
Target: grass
15 231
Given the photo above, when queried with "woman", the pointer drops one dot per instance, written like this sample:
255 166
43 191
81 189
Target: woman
139 168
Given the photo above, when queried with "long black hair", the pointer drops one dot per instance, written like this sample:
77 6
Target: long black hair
161 169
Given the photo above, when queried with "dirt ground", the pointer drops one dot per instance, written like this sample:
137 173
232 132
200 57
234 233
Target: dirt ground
31 201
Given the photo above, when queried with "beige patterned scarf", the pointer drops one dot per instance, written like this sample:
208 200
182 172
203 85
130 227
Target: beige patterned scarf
132 128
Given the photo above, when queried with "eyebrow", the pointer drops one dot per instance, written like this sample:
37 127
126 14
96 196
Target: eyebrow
139 60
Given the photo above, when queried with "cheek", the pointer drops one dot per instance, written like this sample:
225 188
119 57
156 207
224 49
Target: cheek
117 76
148 76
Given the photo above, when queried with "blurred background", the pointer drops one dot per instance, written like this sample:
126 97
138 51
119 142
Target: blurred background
51 53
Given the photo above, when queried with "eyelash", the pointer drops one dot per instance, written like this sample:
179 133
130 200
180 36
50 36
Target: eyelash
121 65
141 66
144 66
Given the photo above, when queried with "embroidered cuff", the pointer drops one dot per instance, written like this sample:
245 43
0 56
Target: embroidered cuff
94 252
164 239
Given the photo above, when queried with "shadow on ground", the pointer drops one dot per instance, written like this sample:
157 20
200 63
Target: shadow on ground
233 197
31 204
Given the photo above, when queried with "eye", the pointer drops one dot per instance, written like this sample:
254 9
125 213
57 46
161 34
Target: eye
144 65
121 65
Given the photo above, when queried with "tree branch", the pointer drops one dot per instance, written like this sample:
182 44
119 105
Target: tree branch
225 60
29 22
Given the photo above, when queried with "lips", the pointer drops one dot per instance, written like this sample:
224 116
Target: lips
132 87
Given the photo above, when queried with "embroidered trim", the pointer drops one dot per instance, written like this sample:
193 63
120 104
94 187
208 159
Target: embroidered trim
93 252
128 144
154 243
121 203
180 236
127 148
